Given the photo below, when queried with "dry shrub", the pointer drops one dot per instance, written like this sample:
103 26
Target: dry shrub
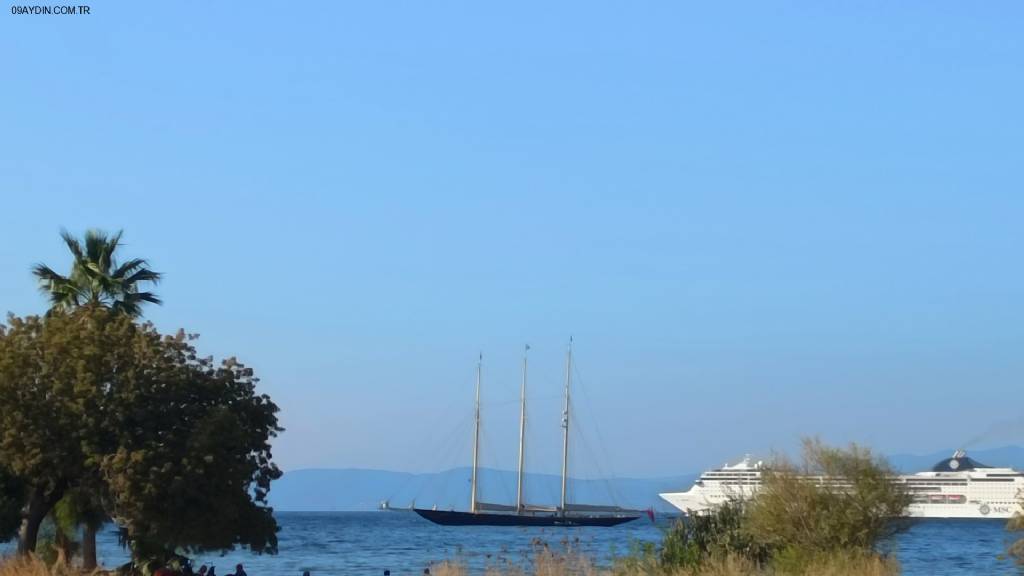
446 568
832 564
548 563
27 566
846 563
851 505
731 565
544 562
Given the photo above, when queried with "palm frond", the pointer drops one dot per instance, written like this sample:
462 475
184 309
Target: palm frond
144 275
62 292
146 297
131 303
91 281
96 244
129 267
127 308
46 274
107 258
73 245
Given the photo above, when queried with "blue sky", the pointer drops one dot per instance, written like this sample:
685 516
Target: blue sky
759 220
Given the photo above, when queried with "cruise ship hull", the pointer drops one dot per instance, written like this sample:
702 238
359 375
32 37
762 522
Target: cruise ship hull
978 510
957 487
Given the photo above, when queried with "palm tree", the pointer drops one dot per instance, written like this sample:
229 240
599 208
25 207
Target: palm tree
96 278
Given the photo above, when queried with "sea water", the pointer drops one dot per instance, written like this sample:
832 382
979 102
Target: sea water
402 542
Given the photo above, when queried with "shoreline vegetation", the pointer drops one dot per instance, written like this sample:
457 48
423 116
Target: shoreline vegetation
791 528
103 419
547 563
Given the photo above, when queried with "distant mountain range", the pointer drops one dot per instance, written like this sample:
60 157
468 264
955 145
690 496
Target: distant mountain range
358 489
1012 456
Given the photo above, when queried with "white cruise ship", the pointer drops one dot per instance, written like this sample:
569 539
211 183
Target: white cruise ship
957 487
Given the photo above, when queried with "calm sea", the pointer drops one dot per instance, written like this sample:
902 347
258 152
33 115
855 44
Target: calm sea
370 542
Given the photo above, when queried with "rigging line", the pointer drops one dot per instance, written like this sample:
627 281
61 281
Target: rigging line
609 487
497 468
427 448
602 477
597 429
456 444
435 454
538 489
494 403
453 447
453 468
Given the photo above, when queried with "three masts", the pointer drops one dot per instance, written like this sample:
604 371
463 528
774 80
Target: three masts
522 514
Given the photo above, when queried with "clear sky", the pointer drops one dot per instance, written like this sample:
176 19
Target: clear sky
758 219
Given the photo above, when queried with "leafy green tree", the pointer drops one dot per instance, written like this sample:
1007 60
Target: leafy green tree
96 278
176 446
42 364
202 483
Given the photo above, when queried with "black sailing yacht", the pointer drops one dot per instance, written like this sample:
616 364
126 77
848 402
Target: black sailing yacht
522 514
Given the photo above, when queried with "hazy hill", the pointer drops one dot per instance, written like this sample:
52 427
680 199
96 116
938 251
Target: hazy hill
357 489
1012 456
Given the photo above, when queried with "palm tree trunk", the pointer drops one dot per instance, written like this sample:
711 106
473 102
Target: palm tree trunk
63 545
89 546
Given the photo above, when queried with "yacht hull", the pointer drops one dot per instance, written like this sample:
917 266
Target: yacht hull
453 518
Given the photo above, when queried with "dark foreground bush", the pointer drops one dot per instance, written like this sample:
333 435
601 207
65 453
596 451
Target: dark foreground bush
722 533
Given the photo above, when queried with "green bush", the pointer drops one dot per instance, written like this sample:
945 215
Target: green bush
837 500
695 539
826 514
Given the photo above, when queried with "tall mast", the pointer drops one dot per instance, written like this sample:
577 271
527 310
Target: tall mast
565 423
476 437
522 435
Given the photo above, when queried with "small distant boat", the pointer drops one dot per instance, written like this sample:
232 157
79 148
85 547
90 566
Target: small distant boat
522 514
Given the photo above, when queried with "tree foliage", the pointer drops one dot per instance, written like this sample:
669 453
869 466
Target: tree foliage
174 447
838 499
203 482
721 533
96 278
829 511
1016 548
45 389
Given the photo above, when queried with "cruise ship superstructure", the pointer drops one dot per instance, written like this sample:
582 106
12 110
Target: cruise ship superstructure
957 487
